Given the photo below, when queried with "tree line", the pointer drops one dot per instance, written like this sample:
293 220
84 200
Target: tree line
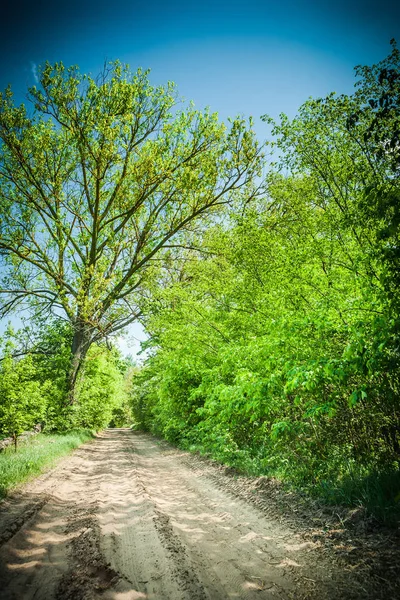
269 292
275 348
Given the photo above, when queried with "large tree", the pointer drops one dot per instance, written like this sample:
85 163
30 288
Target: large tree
99 178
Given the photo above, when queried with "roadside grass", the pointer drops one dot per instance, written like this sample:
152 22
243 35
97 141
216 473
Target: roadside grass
35 455
332 483
377 492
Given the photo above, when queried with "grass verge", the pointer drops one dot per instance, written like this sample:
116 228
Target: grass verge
35 455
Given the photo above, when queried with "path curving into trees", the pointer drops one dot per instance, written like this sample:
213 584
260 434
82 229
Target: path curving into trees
128 517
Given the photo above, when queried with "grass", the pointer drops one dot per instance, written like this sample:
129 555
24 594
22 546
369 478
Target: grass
36 455
378 492
333 482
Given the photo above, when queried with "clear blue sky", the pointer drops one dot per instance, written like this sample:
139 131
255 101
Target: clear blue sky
243 56
237 57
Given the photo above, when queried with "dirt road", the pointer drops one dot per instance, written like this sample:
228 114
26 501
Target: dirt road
126 517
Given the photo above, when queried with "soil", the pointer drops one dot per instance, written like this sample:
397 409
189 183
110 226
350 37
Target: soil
128 517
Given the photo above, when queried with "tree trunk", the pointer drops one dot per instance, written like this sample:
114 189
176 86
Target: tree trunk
81 343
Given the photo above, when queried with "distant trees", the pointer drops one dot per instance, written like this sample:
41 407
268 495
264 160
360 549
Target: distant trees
32 383
97 179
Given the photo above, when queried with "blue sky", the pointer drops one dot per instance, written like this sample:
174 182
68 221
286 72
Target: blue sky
238 57
244 57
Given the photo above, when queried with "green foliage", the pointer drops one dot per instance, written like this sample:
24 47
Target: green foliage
101 396
35 455
275 347
22 399
96 179
33 385
274 325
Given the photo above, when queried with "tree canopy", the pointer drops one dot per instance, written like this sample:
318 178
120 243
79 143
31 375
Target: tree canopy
277 350
99 177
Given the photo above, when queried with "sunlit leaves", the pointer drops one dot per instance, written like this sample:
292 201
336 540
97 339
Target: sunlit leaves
275 343
105 174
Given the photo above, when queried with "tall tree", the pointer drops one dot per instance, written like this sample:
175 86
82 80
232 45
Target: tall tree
96 182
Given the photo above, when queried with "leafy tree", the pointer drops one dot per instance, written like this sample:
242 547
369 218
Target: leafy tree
22 398
377 123
377 118
96 182
47 341
349 146
101 390
276 349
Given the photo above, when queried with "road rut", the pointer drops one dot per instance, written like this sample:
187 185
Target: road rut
126 517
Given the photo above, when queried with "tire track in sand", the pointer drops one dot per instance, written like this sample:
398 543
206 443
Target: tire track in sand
124 518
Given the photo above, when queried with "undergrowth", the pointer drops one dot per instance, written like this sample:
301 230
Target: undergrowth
36 454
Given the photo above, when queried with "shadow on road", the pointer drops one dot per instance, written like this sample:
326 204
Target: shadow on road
124 518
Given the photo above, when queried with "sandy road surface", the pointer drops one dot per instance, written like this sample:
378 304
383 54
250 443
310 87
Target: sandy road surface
125 517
